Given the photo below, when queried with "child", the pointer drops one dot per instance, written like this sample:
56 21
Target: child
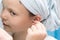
21 19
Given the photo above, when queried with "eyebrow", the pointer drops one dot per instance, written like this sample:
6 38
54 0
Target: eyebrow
11 9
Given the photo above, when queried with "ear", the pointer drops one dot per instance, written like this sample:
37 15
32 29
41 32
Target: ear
36 18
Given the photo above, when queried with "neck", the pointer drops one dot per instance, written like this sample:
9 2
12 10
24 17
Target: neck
20 36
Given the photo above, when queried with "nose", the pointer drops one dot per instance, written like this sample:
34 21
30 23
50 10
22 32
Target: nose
4 15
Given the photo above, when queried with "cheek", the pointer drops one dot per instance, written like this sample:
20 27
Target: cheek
20 24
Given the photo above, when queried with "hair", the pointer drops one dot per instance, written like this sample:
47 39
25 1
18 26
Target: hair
30 13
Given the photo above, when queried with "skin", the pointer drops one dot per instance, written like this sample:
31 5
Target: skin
18 23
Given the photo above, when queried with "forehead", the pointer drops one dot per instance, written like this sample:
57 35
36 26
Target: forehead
8 3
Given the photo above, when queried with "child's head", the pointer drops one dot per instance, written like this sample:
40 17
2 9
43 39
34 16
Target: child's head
16 17
19 15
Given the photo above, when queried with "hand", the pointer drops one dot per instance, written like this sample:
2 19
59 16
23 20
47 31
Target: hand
4 35
36 32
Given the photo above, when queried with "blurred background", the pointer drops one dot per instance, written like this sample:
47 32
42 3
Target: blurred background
0 13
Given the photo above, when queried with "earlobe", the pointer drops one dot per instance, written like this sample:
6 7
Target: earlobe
36 18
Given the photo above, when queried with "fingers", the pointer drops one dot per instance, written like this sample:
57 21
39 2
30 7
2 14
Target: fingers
29 31
37 28
33 28
37 31
40 27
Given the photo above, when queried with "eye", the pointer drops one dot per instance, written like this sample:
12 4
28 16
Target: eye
12 13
